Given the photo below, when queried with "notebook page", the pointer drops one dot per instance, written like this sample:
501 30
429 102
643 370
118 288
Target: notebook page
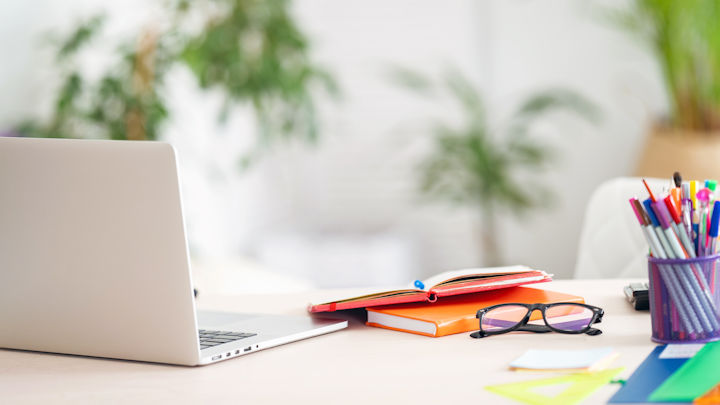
487 271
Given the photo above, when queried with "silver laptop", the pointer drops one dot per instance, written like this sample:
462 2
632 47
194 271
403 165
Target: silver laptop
94 259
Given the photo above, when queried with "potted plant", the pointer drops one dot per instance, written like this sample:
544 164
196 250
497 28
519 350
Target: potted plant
685 38
484 167
253 52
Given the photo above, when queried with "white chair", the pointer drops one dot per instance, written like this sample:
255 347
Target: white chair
611 242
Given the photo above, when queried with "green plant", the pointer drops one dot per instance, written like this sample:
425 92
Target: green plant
685 37
249 49
474 165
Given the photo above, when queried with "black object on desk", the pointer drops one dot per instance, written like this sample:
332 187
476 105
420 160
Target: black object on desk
637 296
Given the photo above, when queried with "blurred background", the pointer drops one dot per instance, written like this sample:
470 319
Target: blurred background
353 143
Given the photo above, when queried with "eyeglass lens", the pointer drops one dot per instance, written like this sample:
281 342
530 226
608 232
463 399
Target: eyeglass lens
503 318
567 317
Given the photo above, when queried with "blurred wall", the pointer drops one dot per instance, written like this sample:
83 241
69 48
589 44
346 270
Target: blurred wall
352 202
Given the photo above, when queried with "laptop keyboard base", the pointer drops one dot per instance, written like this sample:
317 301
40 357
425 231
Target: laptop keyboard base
210 338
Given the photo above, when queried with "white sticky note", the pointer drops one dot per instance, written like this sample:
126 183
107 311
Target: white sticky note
681 351
561 359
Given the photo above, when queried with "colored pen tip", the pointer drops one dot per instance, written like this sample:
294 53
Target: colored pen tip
704 194
652 197
715 220
639 211
677 178
711 184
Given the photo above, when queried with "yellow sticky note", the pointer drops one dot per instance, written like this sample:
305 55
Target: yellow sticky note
573 388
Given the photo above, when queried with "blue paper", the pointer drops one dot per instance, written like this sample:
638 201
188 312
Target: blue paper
646 378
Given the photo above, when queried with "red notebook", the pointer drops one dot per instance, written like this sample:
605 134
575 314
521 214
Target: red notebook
442 285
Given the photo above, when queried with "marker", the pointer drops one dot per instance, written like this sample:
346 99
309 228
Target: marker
714 225
662 238
677 191
703 196
695 227
693 190
663 215
711 184
678 228
687 209
676 195
714 231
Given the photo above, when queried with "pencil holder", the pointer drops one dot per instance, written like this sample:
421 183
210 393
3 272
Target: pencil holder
684 299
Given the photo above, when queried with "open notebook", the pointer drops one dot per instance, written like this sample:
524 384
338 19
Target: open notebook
442 285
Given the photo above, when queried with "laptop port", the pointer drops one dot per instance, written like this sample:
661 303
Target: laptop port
237 351
218 357
228 354
247 349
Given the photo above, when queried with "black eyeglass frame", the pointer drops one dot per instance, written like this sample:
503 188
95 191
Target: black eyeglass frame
522 325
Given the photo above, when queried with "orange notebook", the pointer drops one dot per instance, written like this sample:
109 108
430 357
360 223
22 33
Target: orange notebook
709 398
457 314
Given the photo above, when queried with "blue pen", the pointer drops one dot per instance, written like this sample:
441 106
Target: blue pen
696 229
714 227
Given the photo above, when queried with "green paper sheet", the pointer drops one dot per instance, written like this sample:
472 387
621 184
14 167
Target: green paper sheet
575 388
697 376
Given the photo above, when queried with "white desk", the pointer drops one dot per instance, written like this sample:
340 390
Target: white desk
357 365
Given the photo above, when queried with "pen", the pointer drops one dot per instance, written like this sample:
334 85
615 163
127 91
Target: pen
693 190
711 184
677 192
678 228
703 196
695 226
676 195
655 224
687 209
714 231
714 225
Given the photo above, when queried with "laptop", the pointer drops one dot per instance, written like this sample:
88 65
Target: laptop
94 259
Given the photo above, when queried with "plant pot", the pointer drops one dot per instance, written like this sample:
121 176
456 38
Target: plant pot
696 155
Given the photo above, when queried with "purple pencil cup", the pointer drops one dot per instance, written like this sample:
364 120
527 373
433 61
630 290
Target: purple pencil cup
685 299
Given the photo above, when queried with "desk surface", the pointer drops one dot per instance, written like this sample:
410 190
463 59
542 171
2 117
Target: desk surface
356 365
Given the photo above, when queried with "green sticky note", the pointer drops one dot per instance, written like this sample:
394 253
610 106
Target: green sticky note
694 378
568 389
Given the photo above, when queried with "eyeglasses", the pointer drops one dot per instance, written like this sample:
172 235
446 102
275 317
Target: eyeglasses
562 317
